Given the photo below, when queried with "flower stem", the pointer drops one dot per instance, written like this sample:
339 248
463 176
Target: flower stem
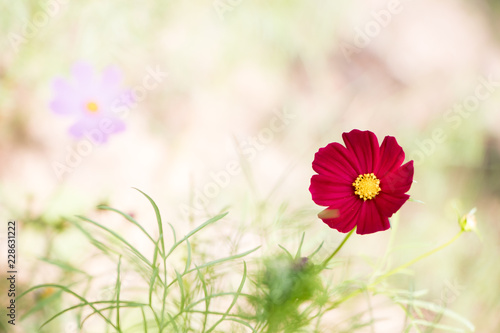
325 262
409 263
395 270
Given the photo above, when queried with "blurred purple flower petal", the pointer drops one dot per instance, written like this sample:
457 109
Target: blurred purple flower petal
92 101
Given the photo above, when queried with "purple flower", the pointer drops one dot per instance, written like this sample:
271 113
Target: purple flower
92 101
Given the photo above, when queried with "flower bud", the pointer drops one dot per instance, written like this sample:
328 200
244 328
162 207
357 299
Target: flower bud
468 221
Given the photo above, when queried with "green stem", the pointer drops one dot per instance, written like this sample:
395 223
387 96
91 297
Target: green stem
425 255
395 270
325 262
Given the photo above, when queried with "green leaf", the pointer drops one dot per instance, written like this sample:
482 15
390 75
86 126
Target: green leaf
118 237
128 218
437 326
437 309
299 249
207 299
188 260
219 261
194 231
118 290
181 289
155 274
286 251
317 250
235 298
81 298
64 266
158 219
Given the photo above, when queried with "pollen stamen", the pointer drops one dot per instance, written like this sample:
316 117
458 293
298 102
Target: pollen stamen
366 186
92 107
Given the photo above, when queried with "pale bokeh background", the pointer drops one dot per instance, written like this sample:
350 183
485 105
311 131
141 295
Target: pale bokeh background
397 68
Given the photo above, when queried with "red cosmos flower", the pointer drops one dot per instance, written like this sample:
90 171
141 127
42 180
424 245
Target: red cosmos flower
362 184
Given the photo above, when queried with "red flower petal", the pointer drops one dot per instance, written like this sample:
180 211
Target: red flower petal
370 219
391 156
348 215
325 190
337 162
364 145
388 204
398 181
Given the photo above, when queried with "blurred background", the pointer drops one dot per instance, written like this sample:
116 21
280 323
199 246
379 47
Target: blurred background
246 92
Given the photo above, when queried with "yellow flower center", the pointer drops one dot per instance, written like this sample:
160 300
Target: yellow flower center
366 186
92 107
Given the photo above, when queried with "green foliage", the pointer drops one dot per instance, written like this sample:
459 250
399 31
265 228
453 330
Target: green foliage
171 297
283 286
174 292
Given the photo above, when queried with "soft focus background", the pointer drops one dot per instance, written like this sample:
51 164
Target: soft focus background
205 140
